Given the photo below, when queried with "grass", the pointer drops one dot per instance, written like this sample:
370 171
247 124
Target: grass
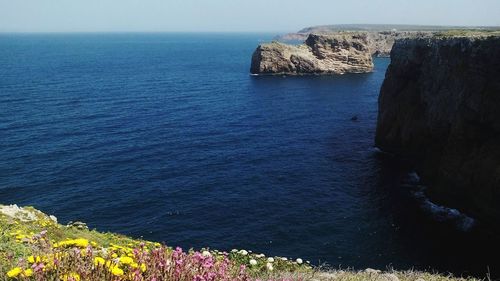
33 246
467 33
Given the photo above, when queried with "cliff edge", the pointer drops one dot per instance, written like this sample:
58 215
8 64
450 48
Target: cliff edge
321 54
439 107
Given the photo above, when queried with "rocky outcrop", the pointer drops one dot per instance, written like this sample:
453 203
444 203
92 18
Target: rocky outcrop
321 54
439 107
381 36
379 42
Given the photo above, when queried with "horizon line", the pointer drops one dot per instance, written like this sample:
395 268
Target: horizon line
242 31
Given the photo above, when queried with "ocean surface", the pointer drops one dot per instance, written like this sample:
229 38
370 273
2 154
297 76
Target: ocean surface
168 137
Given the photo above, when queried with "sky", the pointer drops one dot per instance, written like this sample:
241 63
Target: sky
235 15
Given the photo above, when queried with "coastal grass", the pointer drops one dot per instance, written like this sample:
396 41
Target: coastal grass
453 33
33 246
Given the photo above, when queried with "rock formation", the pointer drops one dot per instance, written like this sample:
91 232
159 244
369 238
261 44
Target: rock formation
321 54
379 42
439 107
381 37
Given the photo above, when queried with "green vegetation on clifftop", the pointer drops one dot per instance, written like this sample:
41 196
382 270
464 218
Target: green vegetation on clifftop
33 246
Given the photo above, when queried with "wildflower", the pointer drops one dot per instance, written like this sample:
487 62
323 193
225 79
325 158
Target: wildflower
143 267
28 272
234 250
20 236
243 252
270 259
31 259
126 260
80 242
73 276
284 259
299 261
206 254
253 262
99 261
269 266
260 256
14 272
115 270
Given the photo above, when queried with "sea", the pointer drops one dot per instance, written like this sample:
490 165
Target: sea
167 137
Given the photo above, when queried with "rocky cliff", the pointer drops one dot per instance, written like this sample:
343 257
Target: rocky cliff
320 54
439 107
379 42
381 36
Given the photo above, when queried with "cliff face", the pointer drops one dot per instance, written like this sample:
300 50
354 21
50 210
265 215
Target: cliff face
379 42
321 54
440 107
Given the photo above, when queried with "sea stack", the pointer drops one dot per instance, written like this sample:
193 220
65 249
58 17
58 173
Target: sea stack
320 54
439 107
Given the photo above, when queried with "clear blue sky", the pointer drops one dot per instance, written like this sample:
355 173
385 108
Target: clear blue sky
235 15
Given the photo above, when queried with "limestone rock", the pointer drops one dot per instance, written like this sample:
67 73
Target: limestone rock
439 107
321 54
77 224
372 271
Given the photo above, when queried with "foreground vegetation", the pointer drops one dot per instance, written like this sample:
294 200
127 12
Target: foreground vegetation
33 246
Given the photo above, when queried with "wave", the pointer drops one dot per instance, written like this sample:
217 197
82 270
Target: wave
437 212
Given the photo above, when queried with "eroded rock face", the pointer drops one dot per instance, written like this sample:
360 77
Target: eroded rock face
440 107
379 42
321 54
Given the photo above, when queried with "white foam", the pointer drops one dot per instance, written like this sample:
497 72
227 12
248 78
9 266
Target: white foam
445 214
438 212
413 177
380 151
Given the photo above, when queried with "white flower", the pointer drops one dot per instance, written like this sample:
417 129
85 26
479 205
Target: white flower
299 261
284 259
243 252
234 250
270 259
260 256
253 262
269 266
206 254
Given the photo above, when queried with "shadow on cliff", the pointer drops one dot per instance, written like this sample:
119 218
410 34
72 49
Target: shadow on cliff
435 243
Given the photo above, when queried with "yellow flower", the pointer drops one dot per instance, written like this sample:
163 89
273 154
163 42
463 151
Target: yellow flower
114 255
143 267
116 271
72 276
28 272
99 261
31 259
20 236
126 260
80 242
14 272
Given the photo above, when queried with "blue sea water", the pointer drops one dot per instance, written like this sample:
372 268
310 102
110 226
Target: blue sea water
168 137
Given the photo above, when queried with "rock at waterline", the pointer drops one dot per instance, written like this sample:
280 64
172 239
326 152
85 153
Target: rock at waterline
321 54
